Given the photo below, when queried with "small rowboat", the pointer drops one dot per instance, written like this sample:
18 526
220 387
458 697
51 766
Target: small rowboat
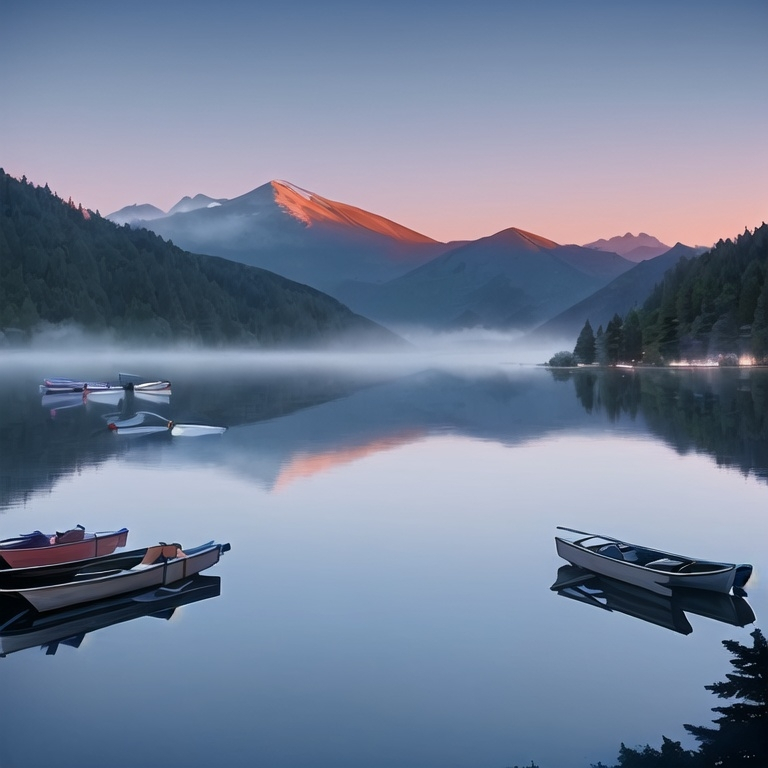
652 569
37 548
50 588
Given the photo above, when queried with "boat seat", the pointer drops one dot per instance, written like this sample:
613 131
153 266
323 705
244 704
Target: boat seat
67 537
161 552
665 564
611 550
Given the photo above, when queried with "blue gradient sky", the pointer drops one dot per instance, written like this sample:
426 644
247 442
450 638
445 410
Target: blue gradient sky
573 120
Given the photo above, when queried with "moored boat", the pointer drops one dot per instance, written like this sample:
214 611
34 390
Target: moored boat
147 423
653 569
38 548
61 385
54 587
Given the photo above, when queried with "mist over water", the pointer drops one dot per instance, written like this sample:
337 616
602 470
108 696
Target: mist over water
69 348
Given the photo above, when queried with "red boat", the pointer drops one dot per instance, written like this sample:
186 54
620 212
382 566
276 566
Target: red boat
39 548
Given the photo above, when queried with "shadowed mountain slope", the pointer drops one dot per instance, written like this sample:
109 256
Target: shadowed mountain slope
512 280
628 290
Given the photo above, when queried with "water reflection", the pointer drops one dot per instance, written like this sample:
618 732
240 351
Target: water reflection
669 612
23 627
721 412
290 423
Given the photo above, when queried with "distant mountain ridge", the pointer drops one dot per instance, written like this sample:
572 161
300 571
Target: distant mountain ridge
383 270
132 214
187 204
632 247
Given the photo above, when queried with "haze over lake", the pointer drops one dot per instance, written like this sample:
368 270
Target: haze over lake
386 600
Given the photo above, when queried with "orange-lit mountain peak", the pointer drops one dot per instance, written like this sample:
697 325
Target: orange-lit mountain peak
311 208
536 240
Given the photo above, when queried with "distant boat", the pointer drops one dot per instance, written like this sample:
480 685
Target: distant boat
54 587
21 626
61 385
37 548
652 569
665 611
147 423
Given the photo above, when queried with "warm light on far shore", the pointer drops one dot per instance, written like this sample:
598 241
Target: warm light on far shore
744 361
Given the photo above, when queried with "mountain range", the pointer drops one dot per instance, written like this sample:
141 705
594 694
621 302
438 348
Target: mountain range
632 247
512 279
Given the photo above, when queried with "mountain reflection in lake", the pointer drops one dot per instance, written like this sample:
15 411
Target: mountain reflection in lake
387 597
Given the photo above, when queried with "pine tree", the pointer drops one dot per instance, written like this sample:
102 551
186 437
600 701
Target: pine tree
742 736
585 350
633 338
614 339
602 357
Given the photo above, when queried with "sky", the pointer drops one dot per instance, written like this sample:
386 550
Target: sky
571 120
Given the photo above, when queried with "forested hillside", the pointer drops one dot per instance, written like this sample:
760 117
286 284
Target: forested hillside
62 264
716 304
711 307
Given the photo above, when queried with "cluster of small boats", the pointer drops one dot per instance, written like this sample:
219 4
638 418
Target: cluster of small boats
78 571
126 381
56 587
60 393
651 584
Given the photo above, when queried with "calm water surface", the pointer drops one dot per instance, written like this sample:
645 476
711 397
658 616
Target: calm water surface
387 600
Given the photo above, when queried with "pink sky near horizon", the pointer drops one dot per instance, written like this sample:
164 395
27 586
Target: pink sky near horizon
571 123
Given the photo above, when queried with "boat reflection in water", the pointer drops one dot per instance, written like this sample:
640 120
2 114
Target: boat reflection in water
664 611
23 627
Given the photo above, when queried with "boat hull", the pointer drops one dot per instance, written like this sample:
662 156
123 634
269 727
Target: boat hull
28 628
720 578
92 545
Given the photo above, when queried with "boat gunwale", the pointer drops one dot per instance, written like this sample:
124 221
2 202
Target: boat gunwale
88 536
717 568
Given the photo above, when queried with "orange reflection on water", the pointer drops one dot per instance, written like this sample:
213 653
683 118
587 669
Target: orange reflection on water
307 464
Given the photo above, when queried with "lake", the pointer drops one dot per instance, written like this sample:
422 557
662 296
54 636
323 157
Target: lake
386 600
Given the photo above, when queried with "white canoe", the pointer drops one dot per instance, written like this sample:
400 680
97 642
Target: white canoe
652 569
